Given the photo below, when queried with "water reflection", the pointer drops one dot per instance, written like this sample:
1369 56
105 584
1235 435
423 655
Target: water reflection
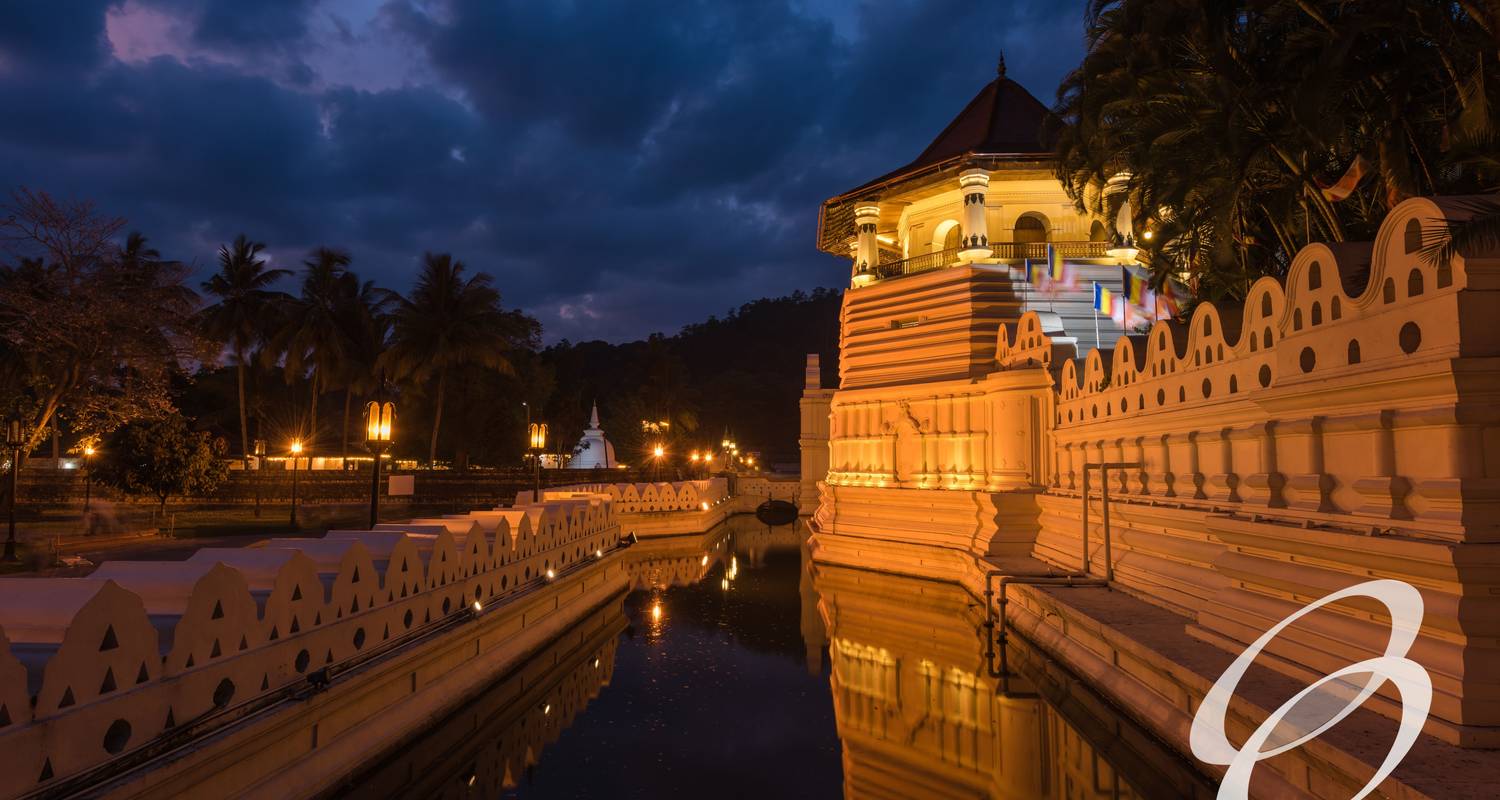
708 690
920 715
714 676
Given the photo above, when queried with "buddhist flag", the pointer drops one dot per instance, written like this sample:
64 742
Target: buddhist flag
1054 264
1104 300
1135 287
1345 185
1169 299
1034 274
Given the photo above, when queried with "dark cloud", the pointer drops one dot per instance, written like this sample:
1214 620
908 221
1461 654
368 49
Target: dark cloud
620 167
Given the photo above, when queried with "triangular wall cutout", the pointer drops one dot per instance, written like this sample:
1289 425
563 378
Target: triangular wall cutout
109 681
142 675
110 642
218 610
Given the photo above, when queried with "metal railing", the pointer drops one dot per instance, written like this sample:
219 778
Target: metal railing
1016 251
1038 250
996 626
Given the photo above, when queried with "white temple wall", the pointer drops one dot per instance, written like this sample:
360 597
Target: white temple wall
1325 430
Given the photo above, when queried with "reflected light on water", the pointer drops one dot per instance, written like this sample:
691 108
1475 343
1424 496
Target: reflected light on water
656 613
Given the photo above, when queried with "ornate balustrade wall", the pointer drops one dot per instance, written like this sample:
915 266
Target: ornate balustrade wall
92 668
641 498
1335 426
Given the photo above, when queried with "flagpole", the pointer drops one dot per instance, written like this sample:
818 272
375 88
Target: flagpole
1097 344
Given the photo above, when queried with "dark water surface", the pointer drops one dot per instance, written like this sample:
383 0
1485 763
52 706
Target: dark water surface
715 677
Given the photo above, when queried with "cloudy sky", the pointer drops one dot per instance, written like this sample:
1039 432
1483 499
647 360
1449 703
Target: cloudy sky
620 166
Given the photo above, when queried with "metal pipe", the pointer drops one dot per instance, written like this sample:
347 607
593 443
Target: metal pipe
1085 519
1109 563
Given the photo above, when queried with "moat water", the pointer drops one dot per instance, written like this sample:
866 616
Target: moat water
716 676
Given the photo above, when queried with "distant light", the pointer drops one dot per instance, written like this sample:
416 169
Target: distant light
656 613
724 584
598 554
551 574
477 607
1147 235
473 778
659 451
546 708
703 562
296 446
596 662
88 451
704 506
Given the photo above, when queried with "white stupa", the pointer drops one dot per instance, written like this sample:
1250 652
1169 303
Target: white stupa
593 451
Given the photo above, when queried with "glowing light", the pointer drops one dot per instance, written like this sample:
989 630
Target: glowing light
704 506
656 613
598 554
88 451
695 456
551 574
703 562
1147 235
546 708
659 451
596 662
296 446
477 607
724 584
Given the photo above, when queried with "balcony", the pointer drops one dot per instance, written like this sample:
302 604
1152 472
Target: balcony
1005 251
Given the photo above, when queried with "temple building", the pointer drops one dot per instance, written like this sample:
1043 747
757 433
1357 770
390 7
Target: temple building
957 226
593 451
1157 501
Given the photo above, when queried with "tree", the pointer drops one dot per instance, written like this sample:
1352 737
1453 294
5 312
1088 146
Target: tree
315 340
163 458
87 328
449 321
365 322
1223 122
242 318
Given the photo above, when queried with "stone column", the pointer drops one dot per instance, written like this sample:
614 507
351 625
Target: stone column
867 248
974 183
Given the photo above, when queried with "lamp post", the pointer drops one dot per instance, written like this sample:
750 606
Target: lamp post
380 419
88 477
260 465
538 442
656 455
13 440
296 452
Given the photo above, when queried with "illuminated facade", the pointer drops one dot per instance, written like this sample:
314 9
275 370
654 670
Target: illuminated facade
1333 427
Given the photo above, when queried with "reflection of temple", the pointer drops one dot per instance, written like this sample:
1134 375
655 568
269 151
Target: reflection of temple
920 716
492 741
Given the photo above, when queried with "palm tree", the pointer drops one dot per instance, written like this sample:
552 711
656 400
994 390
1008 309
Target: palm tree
314 341
365 320
245 305
447 322
1227 119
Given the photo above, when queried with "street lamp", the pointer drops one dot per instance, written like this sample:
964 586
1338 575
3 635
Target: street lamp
656 455
13 440
296 451
538 443
380 419
88 477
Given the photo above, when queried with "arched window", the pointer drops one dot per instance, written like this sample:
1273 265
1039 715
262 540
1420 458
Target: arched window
1413 236
1030 229
1414 283
953 238
1097 233
1315 276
